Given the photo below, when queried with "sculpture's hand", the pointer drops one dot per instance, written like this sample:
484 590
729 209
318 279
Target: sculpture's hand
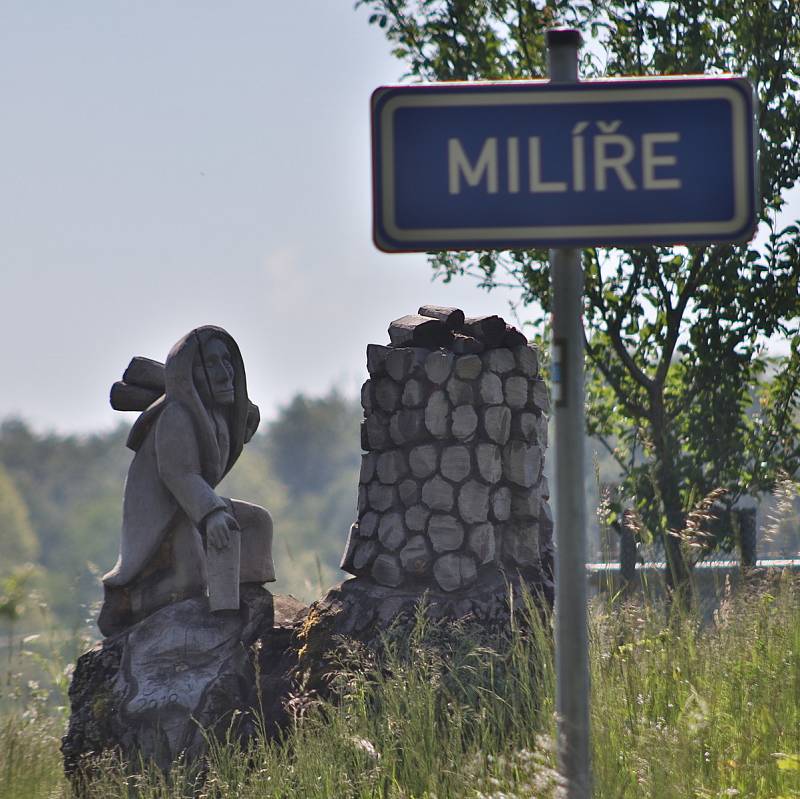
219 525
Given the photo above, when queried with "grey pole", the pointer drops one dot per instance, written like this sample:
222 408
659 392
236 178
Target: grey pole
572 655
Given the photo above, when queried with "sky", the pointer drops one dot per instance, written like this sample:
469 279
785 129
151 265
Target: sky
165 165
170 164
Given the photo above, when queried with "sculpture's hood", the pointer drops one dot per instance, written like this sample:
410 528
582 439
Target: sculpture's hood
180 388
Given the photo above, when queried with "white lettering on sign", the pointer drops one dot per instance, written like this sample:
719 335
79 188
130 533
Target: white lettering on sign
650 160
513 165
535 169
613 153
578 157
618 162
459 164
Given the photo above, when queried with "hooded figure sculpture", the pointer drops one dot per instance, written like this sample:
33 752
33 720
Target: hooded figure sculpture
179 537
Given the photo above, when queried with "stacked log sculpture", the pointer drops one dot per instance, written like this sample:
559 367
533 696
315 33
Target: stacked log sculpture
454 433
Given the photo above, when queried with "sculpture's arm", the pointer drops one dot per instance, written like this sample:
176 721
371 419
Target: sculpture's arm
178 458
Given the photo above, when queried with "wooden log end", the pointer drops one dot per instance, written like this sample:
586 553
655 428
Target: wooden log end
467 345
125 397
514 338
376 358
145 372
453 318
488 329
416 330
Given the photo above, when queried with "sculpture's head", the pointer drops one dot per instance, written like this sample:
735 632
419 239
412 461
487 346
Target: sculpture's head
213 372
203 370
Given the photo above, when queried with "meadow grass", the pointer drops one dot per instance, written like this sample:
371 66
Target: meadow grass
681 709
30 762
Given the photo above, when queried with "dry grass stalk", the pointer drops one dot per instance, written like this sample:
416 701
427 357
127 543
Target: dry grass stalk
695 535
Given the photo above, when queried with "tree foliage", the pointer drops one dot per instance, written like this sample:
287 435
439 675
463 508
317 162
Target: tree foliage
680 388
61 500
312 440
18 541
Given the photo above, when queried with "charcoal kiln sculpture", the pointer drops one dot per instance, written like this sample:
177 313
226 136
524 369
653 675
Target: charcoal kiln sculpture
452 480
452 502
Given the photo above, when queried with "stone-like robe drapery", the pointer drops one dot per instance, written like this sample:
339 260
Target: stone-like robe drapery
183 450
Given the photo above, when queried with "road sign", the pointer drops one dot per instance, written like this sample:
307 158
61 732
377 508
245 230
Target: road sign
541 164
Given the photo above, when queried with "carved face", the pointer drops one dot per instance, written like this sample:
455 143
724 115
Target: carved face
213 373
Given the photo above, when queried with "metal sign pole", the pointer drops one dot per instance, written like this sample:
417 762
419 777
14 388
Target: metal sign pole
572 657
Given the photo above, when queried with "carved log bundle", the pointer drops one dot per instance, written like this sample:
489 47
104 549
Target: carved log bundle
141 385
125 397
145 372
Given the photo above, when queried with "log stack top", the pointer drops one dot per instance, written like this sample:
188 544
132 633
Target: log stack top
434 327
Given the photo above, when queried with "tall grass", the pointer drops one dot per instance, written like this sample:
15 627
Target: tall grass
685 710
30 763
680 710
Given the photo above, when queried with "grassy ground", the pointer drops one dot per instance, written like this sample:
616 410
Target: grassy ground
679 710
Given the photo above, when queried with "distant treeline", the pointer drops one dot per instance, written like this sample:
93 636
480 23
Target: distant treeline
61 500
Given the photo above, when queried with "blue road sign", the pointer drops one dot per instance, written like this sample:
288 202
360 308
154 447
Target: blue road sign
535 164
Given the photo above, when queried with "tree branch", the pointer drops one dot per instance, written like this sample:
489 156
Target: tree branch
698 270
406 29
523 37
614 333
613 328
634 408
653 265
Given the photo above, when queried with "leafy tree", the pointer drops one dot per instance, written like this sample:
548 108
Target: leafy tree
313 440
61 500
306 540
72 487
14 592
675 337
58 476
18 541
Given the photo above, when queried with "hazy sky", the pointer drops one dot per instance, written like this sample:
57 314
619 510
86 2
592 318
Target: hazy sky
184 162
170 164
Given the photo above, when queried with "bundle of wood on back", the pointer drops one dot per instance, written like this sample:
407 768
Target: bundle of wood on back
141 385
